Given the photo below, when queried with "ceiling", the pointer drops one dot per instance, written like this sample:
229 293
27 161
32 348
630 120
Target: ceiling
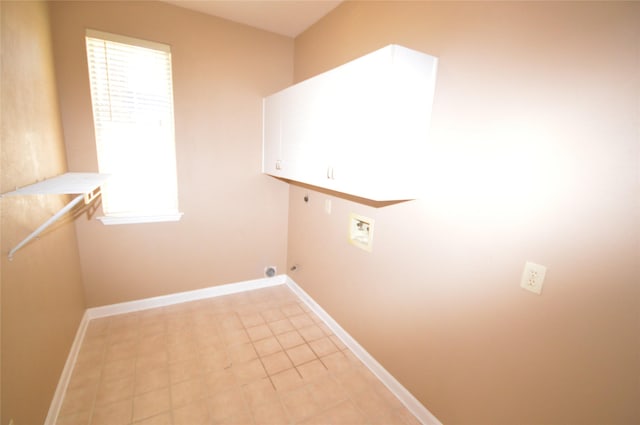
285 17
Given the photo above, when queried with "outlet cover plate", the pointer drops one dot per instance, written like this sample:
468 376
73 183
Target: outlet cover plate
533 277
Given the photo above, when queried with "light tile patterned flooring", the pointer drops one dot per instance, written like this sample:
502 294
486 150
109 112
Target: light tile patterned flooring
256 357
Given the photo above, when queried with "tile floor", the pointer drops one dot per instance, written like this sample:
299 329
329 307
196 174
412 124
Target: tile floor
257 357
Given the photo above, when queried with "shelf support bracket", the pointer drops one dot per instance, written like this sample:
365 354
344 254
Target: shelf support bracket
46 224
86 184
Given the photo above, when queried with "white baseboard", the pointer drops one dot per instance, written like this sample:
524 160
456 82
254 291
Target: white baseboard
410 402
65 376
182 297
414 406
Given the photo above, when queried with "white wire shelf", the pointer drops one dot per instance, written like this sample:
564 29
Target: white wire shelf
87 185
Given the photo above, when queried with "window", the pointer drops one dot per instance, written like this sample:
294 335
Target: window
132 98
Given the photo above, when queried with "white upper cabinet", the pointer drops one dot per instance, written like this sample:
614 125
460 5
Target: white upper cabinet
360 128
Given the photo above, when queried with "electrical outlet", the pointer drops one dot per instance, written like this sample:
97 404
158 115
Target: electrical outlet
533 277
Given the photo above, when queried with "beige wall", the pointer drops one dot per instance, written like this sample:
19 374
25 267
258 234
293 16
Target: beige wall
235 218
42 297
534 156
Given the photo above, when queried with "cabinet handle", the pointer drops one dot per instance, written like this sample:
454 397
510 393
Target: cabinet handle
278 165
330 173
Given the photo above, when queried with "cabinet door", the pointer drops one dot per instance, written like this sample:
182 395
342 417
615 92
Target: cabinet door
410 91
303 133
292 134
384 118
359 125
272 134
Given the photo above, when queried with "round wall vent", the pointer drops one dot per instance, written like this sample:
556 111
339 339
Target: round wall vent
270 271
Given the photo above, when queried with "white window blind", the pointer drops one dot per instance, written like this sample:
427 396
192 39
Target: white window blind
132 97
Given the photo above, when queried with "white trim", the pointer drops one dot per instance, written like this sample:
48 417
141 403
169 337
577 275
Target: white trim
411 403
65 376
132 219
181 297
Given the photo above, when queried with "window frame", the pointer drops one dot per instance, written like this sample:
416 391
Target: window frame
138 215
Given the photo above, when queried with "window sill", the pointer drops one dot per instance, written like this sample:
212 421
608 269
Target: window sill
133 219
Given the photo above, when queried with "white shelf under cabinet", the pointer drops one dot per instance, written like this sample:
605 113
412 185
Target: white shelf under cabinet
359 129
